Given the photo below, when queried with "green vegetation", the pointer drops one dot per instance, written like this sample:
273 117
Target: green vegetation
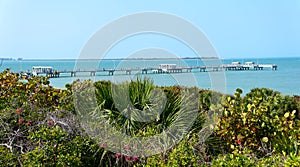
44 126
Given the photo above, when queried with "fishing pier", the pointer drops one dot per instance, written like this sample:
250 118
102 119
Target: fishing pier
161 69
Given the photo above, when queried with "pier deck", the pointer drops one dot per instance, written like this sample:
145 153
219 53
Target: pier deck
157 70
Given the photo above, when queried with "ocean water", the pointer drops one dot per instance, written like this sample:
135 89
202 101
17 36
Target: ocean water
286 79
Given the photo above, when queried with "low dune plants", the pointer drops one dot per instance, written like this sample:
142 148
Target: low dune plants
44 126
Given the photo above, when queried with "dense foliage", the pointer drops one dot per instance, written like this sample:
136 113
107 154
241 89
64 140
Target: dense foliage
263 121
41 126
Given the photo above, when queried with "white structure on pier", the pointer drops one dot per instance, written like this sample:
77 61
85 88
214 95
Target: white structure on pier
41 70
166 67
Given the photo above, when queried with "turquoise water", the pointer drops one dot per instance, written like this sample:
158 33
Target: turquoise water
285 80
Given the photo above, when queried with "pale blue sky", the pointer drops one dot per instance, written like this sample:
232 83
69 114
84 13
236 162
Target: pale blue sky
237 29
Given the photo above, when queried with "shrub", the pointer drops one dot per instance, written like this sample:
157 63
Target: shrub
264 121
184 154
234 161
55 147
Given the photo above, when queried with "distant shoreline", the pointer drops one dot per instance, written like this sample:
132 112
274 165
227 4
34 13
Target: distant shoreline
185 58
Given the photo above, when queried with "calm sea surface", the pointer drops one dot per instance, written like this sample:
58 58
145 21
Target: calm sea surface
285 80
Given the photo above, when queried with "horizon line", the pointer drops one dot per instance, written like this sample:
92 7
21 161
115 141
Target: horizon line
199 58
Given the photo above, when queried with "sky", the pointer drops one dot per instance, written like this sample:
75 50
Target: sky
33 29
